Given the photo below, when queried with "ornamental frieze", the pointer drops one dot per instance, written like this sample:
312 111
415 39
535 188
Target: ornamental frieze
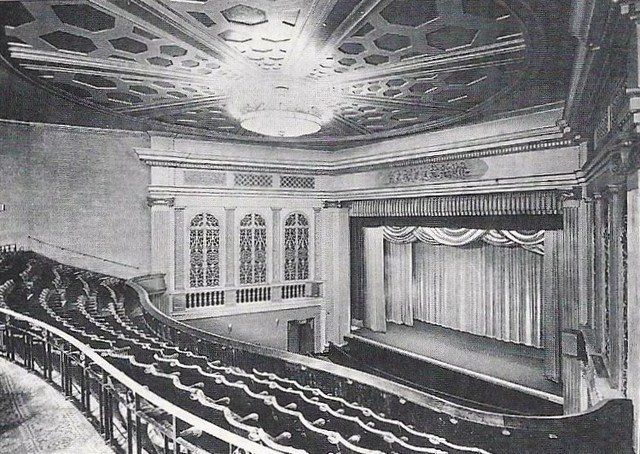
435 172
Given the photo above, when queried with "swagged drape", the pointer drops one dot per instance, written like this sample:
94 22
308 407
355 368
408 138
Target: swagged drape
485 282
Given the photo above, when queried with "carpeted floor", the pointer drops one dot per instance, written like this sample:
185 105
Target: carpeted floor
514 363
36 418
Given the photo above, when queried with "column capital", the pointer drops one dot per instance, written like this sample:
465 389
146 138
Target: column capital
625 159
156 201
574 193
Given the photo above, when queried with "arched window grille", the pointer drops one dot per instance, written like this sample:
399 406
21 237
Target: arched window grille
296 248
253 249
204 251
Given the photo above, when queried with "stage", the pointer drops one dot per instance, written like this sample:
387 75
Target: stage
438 357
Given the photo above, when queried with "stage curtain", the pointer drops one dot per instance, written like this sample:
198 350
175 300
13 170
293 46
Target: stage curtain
479 288
398 282
374 310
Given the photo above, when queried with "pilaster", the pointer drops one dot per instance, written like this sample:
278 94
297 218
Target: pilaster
633 298
568 276
162 238
231 253
179 248
276 250
317 245
616 289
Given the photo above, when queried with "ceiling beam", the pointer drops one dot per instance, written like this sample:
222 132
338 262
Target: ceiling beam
172 107
352 125
497 54
404 103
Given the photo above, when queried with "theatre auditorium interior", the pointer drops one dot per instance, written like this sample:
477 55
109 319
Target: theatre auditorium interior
322 226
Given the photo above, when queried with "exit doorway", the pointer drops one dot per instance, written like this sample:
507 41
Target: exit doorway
301 336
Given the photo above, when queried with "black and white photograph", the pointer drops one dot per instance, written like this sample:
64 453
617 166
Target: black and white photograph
320 226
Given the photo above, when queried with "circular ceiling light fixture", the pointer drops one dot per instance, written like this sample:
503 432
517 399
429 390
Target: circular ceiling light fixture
280 123
290 109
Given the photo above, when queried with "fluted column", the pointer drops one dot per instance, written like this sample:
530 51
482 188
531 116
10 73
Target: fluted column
335 251
616 297
569 298
599 268
162 238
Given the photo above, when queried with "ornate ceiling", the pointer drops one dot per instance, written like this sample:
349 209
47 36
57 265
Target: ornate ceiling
374 68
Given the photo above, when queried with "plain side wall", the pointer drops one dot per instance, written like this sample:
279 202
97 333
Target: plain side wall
261 328
14 192
78 188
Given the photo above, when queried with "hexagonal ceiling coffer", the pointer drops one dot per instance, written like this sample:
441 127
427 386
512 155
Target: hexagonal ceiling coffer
411 13
451 37
376 59
203 18
392 42
68 41
234 36
127 44
246 15
489 9
351 48
159 61
85 17
173 51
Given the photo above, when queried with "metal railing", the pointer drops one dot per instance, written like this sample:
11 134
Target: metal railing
111 400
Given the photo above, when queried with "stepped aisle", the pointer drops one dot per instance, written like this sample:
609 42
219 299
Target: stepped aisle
35 418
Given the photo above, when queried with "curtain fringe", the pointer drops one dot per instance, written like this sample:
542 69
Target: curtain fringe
495 204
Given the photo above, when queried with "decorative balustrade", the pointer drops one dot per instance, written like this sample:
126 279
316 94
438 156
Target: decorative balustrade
294 291
224 297
8 248
253 294
207 298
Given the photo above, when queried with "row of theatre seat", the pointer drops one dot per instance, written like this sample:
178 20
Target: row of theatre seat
277 412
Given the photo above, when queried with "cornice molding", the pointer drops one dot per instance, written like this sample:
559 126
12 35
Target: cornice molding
155 158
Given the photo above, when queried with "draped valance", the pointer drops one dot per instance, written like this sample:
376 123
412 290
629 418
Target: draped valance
496 204
532 241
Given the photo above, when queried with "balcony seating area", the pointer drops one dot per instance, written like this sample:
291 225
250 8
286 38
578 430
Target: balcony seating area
277 412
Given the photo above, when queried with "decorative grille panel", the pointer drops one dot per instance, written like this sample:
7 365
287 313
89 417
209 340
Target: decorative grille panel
253 249
204 178
296 248
252 180
204 251
297 182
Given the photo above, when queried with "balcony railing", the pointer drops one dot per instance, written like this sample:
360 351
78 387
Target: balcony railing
231 296
100 390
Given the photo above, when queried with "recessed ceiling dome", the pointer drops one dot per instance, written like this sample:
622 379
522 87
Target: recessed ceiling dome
213 68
